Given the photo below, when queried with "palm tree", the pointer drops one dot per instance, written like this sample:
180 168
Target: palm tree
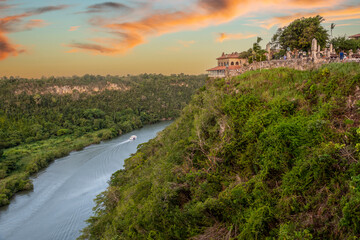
332 28
256 47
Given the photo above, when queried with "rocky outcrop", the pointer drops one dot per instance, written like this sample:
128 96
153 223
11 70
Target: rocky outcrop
66 89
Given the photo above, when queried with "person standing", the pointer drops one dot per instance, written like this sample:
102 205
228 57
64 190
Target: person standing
341 55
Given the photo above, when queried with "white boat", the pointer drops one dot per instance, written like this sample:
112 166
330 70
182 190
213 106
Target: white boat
133 137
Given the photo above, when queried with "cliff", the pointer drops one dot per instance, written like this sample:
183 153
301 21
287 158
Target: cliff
266 155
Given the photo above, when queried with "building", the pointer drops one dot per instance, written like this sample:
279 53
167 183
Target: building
356 36
228 65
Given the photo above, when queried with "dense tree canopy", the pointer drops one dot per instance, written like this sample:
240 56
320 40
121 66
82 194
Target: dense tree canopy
344 43
33 110
299 34
43 119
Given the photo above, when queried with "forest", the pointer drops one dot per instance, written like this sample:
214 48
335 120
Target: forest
44 119
270 154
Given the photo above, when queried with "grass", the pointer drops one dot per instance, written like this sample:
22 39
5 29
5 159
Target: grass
271 154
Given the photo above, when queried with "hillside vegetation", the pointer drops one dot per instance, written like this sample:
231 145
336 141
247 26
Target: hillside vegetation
271 154
44 119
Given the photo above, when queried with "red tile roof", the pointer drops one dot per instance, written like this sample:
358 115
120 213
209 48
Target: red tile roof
355 36
234 67
231 55
217 68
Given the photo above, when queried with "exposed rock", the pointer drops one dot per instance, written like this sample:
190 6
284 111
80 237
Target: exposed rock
66 89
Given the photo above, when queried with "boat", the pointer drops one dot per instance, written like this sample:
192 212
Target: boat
133 137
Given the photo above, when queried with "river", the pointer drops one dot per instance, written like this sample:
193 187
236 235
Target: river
63 194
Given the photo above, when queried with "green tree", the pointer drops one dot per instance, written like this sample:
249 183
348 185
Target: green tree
246 54
343 43
38 125
256 53
332 26
256 45
299 34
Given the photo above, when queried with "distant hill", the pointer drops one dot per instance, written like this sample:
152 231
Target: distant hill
271 154
43 119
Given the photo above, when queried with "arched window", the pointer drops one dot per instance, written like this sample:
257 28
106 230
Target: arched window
237 63
232 63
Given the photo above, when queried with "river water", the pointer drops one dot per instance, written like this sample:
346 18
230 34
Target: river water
63 194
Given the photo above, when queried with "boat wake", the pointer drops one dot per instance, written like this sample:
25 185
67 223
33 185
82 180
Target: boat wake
121 143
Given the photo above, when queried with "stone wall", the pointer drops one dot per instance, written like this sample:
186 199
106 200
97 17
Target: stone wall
298 64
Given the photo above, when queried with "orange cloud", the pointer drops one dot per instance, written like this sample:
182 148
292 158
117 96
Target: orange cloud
204 13
74 28
91 47
346 13
33 23
16 23
7 48
131 34
232 36
299 4
312 3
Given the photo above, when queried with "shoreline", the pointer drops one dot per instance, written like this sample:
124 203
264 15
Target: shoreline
35 161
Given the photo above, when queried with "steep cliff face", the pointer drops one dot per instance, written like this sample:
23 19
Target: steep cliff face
68 89
271 154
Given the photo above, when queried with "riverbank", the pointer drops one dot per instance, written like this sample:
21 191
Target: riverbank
63 193
36 156
44 119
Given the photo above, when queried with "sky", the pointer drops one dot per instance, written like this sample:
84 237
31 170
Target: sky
65 38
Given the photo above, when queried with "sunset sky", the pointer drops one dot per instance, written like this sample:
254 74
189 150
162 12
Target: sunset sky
65 38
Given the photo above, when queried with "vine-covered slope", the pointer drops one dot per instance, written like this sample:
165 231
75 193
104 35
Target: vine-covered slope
272 154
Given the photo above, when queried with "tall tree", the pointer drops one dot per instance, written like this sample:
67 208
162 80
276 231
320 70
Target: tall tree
256 45
259 39
299 34
332 26
257 53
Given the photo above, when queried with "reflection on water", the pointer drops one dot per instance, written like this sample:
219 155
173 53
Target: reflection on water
63 194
